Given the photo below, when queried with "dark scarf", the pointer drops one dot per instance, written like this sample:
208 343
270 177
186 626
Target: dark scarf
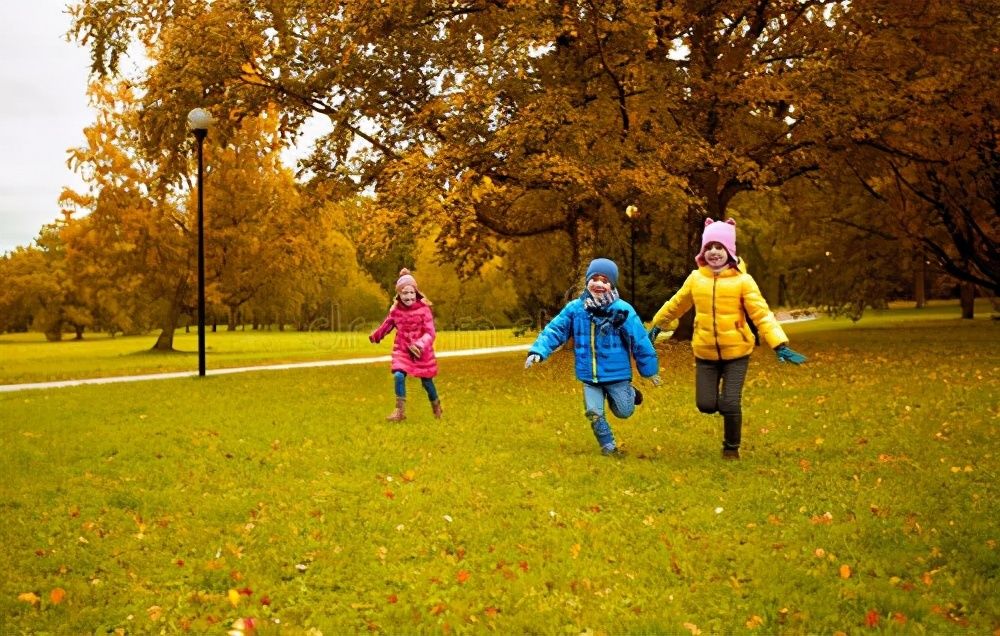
599 308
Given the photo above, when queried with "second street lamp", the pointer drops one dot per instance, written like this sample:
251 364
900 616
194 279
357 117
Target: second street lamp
199 120
632 213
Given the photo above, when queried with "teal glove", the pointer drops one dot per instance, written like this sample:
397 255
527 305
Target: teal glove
653 333
533 358
787 355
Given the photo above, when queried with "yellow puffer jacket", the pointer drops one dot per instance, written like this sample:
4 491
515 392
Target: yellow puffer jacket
721 331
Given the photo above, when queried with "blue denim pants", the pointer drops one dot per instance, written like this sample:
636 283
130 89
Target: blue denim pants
399 378
620 397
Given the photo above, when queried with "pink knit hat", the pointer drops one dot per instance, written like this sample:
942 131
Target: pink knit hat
406 278
718 232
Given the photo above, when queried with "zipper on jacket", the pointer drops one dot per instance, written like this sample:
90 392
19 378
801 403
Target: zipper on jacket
715 318
593 352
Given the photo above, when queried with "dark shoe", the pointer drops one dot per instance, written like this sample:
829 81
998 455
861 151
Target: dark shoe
617 453
436 408
730 453
638 396
399 414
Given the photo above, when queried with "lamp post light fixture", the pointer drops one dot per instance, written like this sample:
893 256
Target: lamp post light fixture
199 120
632 213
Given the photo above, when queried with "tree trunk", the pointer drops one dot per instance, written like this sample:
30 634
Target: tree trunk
168 324
79 331
695 227
231 317
920 280
968 301
165 341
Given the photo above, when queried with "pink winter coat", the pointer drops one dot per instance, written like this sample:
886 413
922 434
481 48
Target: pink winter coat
413 325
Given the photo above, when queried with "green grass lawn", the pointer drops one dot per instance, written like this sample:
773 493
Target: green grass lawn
866 499
28 357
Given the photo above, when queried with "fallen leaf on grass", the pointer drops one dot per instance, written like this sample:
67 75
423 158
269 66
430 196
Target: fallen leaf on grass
57 595
754 622
491 611
824 519
462 576
155 612
845 571
241 625
871 618
691 627
29 597
234 597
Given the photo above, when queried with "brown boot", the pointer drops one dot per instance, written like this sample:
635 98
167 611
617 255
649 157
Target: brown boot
400 413
436 407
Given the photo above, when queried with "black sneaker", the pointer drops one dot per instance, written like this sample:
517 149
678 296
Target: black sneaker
638 396
617 453
730 453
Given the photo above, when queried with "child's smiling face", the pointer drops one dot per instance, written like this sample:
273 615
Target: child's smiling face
716 255
598 284
407 295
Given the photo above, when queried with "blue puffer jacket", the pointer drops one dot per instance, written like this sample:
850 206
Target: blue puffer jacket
604 341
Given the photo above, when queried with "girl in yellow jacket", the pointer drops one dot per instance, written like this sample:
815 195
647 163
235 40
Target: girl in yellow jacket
723 296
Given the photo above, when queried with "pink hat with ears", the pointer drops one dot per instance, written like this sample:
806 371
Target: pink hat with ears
406 278
723 232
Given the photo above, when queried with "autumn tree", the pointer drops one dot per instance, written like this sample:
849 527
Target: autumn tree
503 122
499 120
930 144
135 235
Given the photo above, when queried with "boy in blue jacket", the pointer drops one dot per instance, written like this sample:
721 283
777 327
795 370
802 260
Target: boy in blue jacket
607 334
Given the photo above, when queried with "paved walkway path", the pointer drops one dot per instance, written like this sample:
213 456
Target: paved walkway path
268 367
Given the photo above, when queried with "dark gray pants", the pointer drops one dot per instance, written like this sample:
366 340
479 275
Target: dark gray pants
708 375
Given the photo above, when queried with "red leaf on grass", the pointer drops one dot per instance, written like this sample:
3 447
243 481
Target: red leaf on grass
462 576
871 618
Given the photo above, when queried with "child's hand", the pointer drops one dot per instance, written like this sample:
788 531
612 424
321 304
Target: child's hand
415 350
533 358
653 333
371 338
655 380
785 354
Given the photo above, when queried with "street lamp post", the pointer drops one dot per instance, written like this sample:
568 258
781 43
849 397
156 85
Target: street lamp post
199 120
632 213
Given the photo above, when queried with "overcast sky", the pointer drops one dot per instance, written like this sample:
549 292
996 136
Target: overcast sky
43 111
42 114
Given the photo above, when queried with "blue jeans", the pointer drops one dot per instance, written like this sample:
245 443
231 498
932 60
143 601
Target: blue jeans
400 383
620 397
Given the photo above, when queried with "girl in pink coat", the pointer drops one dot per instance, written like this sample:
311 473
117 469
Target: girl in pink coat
413 349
